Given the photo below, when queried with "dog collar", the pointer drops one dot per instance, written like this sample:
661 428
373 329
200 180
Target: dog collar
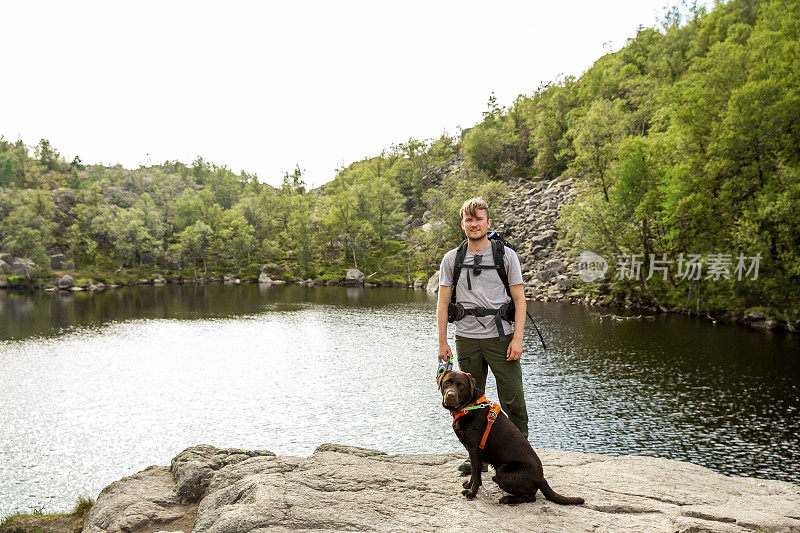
480 403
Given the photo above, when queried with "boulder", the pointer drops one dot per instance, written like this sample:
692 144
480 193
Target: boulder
563 283
346 488
272 268
544 237
65 282
433 283
22 266
426 216
147 499
58 261
555 265
433 226
5 267
355 277
419 284
264 279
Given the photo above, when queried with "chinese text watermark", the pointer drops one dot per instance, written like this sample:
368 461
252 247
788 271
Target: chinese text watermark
691 267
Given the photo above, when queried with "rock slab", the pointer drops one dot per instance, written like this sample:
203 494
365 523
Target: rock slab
343 488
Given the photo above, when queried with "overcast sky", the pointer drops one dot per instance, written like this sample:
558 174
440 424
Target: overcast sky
262 86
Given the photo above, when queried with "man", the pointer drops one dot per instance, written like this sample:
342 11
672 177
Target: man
479 343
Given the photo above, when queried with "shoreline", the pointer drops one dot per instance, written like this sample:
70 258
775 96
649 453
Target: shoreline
341 487
760 320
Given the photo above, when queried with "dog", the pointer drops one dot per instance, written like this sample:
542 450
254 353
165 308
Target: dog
518 469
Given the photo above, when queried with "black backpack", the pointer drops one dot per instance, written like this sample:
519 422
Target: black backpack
456 311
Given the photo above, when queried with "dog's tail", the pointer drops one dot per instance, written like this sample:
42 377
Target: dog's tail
555 497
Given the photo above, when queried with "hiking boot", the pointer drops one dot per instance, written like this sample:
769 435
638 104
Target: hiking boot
466 469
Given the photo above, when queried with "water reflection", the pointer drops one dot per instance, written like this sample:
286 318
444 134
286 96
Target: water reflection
95 387
39 313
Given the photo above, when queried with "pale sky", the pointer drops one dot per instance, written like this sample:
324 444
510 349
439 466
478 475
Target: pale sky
263 86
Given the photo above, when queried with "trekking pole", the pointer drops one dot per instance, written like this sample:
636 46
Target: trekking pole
537 329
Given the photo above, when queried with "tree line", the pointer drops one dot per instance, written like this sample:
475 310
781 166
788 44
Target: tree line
685 141
203 220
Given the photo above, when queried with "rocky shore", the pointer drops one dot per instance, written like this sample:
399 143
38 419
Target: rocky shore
342 488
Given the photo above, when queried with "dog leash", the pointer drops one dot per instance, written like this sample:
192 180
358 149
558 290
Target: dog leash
444 366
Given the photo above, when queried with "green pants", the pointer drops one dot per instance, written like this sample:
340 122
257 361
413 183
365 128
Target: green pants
476 356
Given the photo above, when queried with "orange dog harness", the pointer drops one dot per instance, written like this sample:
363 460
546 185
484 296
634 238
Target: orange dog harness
491 416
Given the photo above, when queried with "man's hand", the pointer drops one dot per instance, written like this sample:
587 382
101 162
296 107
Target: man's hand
514 351
444 351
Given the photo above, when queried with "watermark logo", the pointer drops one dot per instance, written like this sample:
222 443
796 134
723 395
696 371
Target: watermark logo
591 266
694 267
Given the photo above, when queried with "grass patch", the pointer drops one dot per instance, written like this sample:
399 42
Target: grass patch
37 521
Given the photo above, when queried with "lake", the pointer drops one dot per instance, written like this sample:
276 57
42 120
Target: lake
94 387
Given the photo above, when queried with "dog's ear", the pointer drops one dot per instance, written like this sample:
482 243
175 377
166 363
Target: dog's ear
473 385
440 377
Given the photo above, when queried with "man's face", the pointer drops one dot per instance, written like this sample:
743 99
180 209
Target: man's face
476 226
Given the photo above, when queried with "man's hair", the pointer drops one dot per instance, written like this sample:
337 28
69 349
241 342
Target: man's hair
472 206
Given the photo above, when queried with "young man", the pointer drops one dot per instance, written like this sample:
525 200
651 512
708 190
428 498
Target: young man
479 344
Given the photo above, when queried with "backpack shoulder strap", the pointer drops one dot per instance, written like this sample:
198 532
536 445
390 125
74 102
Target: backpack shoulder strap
498 253
461 253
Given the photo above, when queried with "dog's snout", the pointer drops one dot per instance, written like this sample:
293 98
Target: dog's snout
450 398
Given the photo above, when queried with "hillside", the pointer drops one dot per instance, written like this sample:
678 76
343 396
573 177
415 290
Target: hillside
682 150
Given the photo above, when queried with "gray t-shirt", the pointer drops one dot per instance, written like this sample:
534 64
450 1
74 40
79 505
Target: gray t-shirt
487 290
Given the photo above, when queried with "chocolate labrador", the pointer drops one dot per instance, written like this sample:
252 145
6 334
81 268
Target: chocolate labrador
518 469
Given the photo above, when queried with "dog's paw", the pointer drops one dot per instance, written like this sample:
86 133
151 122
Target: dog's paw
507 500
470 494
467 484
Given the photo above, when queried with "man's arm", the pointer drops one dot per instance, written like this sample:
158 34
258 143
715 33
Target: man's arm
514 351
441 321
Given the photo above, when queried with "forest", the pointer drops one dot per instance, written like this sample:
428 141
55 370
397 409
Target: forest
687 140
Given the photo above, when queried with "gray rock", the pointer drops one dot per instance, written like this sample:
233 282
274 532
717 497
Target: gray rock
563 283
5 267
427 215
433 226
544 238
264 279
272 268
433 283
194 467
355 277
159 281
22 266
555 265
345 488
419 284
407 221
58 261
144 500
765 324
66 281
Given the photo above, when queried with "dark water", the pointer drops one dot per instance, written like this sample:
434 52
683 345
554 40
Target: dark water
95 387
